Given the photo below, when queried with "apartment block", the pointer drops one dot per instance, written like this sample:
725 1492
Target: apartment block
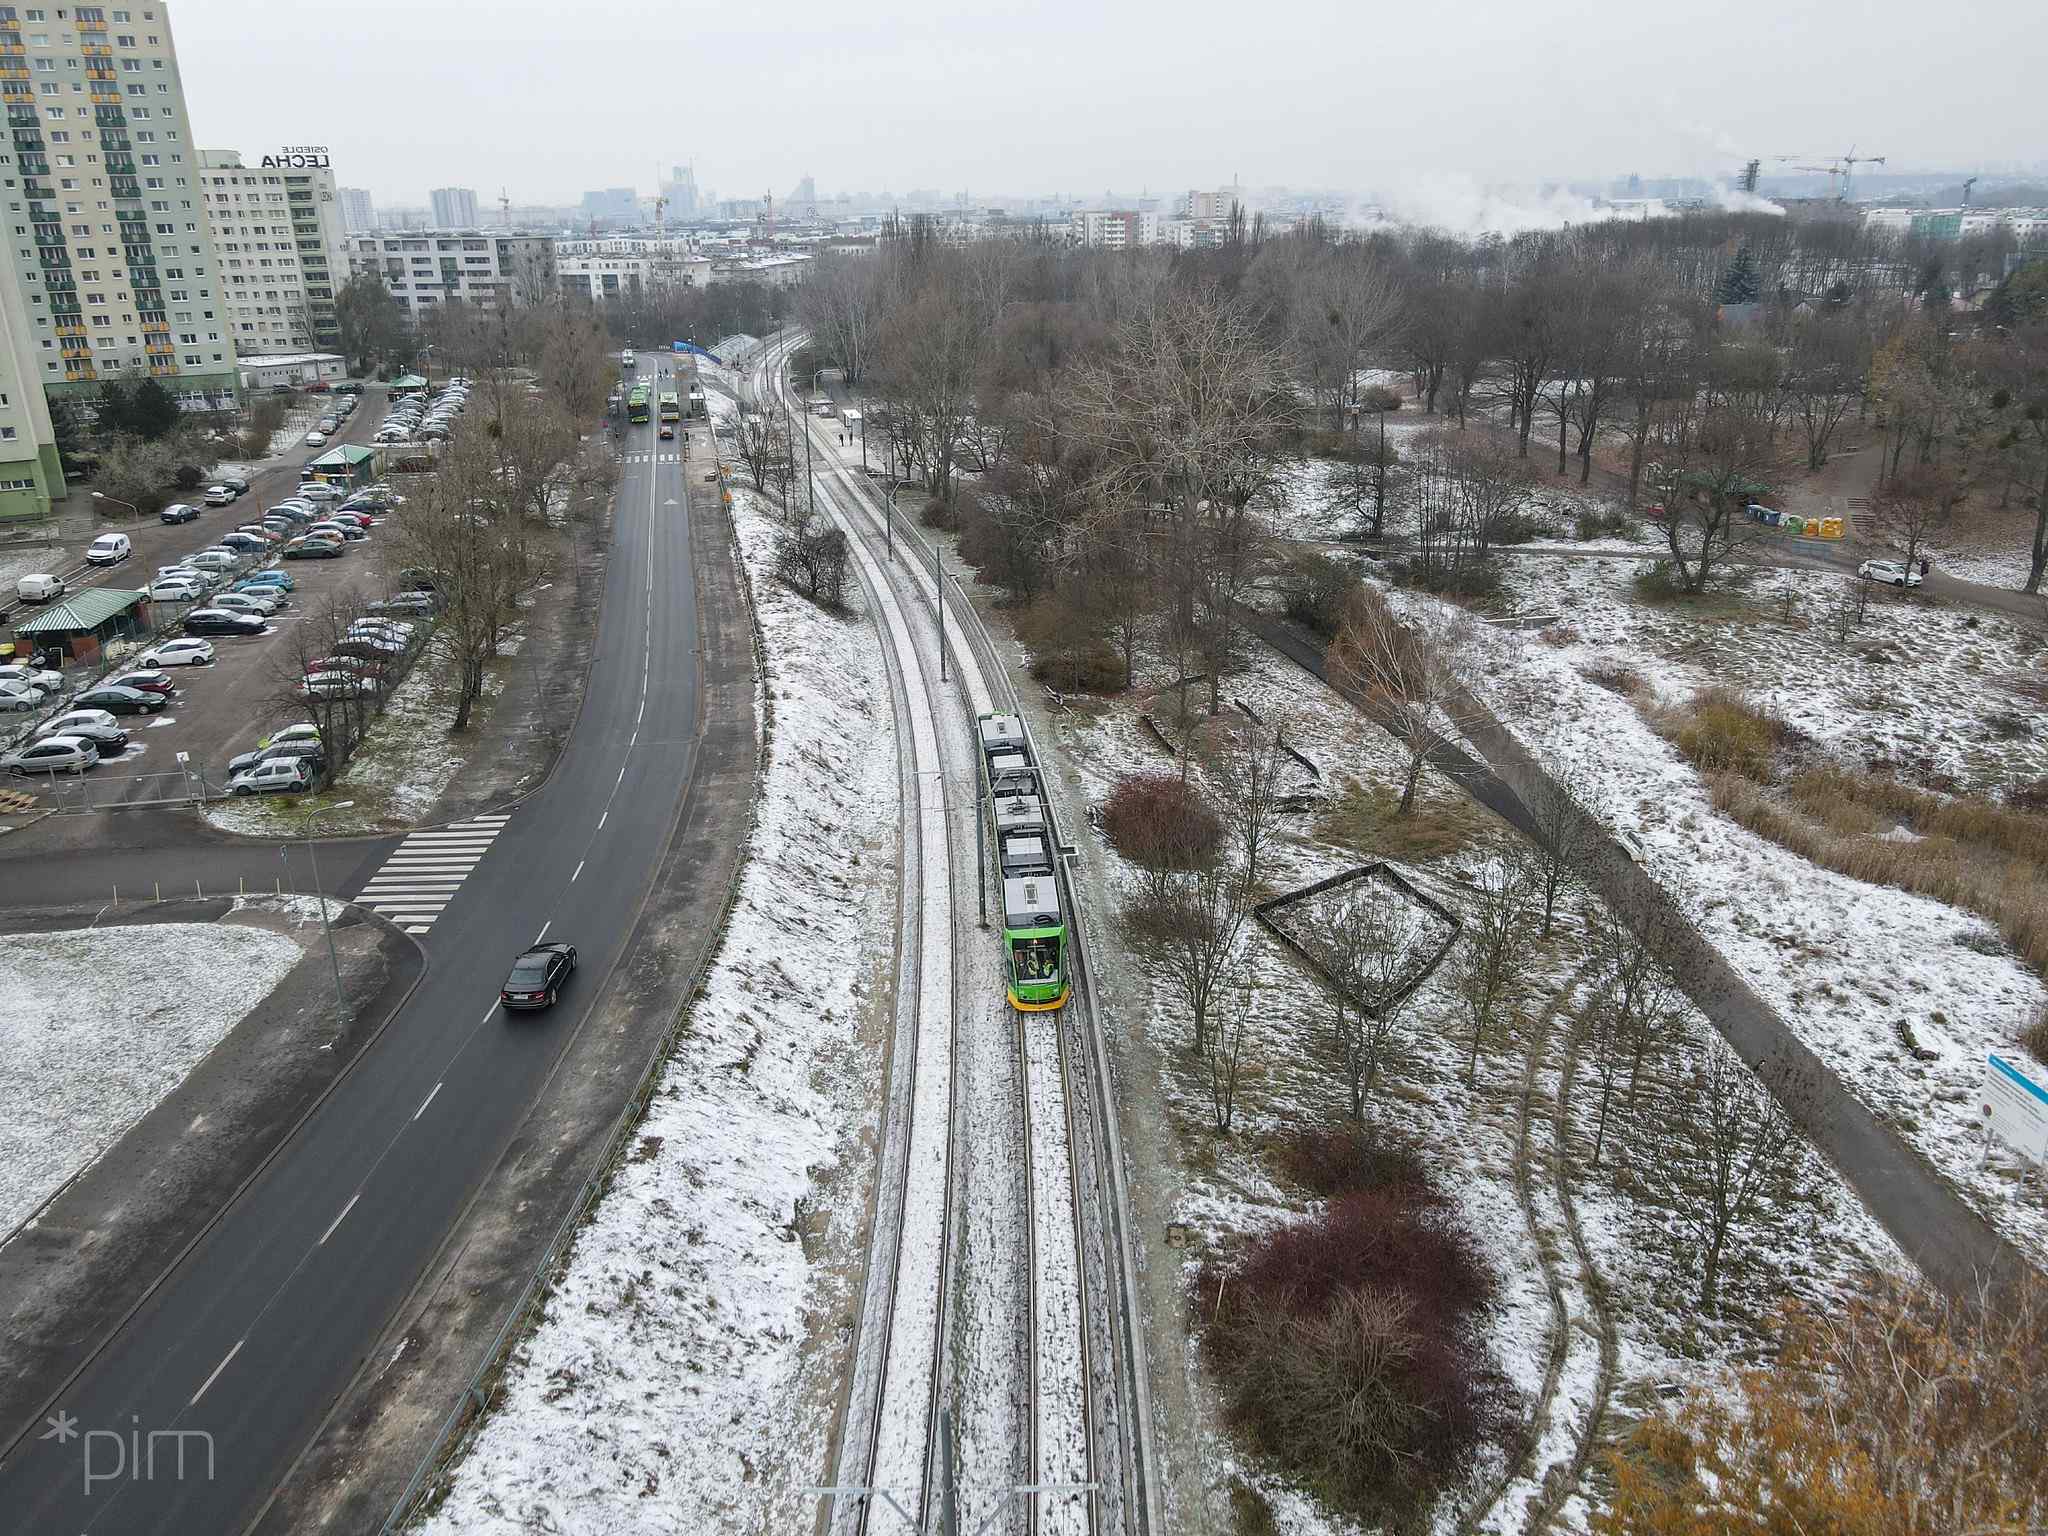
31 474
428 268
358 213
277 229
454 208
1114 228
110 254
624 265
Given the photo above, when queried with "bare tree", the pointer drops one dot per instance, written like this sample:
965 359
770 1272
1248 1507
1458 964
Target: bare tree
1914 506
1633 945
811 556
1226 1061
1190 919
1830 359
1251 777
1712 463
1493 964
1738 1152
761 447
1565 833
1407 674
1372 947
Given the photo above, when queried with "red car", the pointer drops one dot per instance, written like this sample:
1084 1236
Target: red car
148 680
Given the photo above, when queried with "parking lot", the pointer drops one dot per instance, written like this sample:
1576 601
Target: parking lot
223 708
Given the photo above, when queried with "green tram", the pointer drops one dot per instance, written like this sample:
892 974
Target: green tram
1034 927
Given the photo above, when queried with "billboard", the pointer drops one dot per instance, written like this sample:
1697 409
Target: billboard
2015 1108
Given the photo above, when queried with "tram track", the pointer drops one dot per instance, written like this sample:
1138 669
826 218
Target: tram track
1087 1414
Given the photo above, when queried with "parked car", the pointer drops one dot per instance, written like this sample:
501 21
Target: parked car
108 549
537 976
350 388
274 775
235 481
53 754
219 496
187 651
348 533
95 725
270 578
45 678
329 424
320 491
370 648
223 621
215 559
178 512
39 589
19 698
313 549
398 631
300 730
116 700
335 685
1890 572
419 604
148 679
309 752
205 580
359 665
246 543
316 440
250 602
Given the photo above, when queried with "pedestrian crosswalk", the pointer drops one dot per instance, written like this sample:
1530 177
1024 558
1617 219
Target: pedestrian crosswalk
420 878
653 458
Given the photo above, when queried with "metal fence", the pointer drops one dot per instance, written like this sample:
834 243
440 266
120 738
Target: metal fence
107 792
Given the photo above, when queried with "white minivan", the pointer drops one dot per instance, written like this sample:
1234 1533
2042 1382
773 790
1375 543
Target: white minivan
108 549
38 589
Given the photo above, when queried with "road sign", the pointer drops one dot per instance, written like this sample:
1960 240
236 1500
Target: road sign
2016 1108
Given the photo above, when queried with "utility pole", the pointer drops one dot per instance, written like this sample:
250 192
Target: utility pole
939 590
313 855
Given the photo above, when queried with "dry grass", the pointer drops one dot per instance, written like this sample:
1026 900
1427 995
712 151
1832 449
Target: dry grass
2035 1036
1722 732
1363 819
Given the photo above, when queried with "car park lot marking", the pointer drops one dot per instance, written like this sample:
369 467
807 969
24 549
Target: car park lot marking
421 875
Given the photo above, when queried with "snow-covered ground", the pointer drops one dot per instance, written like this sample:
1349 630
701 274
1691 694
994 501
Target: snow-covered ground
1863 974
684 1377
98 1024
1934 691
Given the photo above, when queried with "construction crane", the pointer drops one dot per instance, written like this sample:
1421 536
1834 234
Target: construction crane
1849 163
1968 183
1840 172
504 207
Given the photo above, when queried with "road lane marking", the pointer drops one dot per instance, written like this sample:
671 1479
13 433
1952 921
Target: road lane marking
579 870
544 927
352 1199
607 816
216 1373
426 1101
419 877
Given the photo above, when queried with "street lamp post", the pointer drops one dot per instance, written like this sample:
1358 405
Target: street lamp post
133 511
327 927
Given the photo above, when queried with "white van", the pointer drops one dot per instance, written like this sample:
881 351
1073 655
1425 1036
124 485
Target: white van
38 589
108 549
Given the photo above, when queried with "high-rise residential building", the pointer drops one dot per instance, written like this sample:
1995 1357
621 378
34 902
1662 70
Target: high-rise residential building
682 192
1213 207
357 211
428 268
621 205
31 474
277 230
112 259
454 207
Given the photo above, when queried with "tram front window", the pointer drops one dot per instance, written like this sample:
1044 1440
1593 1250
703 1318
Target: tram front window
1037 959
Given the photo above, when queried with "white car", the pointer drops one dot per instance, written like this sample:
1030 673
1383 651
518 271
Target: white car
249 602
215 560
319 490
17 697
1890 572
95 725
218 496
335 685
53 754
288 775
303 731
187 652
315 440
176 589
37 677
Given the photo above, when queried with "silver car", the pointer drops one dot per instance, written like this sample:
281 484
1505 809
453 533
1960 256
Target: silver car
53 754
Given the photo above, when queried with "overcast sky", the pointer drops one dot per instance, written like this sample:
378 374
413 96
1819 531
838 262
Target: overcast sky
1077 96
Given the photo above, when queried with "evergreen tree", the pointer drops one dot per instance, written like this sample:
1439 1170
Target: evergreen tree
69 433
144 409
1740 284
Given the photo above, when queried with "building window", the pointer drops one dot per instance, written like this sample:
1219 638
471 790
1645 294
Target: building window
7 436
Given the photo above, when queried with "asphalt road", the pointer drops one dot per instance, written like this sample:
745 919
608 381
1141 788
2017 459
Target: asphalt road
237 1357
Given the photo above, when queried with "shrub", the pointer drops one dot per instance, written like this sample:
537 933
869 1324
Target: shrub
1602 522
1314 589
1516 528
1346 1349
1067 652
936 514
1336 1162
1158 820
1722 732
1657 585
190 477
2035 1036
1375 398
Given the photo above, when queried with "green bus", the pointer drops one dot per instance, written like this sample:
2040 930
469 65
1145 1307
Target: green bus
636 404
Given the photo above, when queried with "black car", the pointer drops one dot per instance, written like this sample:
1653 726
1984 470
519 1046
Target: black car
178 512
222 621
537 976
308 750
116 700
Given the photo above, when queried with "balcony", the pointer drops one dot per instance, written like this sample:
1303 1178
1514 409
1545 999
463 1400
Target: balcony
69 328
103 98
10 70
94 50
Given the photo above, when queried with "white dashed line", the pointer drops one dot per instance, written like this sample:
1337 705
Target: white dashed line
352 1199
426 1101
216 1373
